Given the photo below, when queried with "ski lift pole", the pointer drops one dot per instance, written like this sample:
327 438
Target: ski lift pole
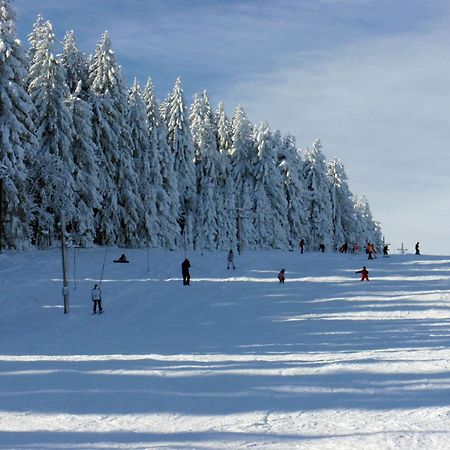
75 267
65 289
148 259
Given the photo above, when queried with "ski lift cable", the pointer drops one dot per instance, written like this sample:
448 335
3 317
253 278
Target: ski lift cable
103 268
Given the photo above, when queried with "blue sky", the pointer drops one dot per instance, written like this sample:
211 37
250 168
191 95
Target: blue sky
367 77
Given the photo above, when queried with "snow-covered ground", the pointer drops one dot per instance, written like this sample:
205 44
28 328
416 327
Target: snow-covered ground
236 360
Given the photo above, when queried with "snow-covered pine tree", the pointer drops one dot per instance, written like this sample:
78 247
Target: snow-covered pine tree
290 165
17 139
180 142
118 219
162 174
75 65
35 36
319 201
207 160
53 168
243 159
226 198
84 151
343 213
142 150
367 230
270 201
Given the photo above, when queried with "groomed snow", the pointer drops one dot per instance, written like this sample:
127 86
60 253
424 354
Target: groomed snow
236 360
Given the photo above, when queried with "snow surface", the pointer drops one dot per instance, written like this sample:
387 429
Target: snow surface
236 360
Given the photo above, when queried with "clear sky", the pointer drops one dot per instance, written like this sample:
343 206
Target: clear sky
369 78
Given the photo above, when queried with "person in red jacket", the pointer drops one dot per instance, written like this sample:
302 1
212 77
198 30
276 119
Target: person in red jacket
364 274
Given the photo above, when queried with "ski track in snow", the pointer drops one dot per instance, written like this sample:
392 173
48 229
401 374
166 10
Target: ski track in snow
235 360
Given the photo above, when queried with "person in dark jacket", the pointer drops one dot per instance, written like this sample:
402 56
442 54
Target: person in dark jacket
302 245
417 249
230 259
185 266
282 276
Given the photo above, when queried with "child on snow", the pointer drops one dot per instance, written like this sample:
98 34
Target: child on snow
364 274
281 276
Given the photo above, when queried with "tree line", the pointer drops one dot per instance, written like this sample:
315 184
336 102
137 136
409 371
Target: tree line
124 168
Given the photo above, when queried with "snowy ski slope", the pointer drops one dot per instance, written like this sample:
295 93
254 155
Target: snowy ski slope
234 361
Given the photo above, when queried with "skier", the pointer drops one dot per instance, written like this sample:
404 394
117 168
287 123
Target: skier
302 245
322 248
386 250
185 265
417 249
230 259
370 250
355 248
281 276
364 274
343 248
96 295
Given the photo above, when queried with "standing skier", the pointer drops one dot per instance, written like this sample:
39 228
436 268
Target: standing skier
302 245
417 249
96 295
281 276
364 274
185 266
230 259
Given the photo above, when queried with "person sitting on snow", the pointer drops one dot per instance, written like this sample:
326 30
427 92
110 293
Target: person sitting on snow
364 274
122 259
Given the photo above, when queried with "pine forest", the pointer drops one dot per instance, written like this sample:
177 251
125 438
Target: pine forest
119 167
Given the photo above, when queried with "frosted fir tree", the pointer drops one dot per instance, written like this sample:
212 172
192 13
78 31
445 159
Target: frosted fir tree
142 151
367 230
319 201
75 65
343 214
290 165
243 158
18 143
207 160
162 174
36 35
86 174
53 168
180 142
118 219
270 202
226 198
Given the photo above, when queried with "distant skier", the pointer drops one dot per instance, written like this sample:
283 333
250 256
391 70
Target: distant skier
230 259
185 266
364 274
355 248
122 259
322 248
417 249
96 295
343 248
386 250
282 276
302 245
370 250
